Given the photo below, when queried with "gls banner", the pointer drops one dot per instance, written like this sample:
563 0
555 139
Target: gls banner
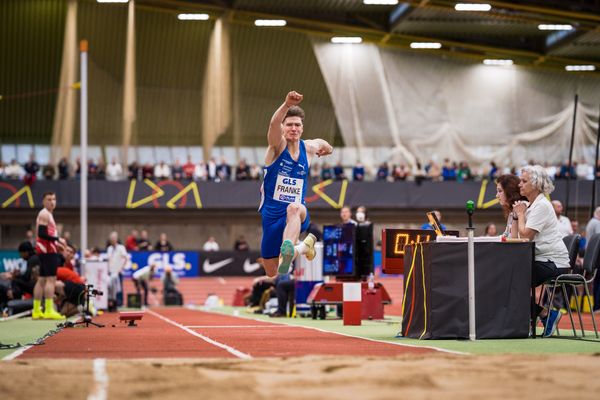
183 263
230 263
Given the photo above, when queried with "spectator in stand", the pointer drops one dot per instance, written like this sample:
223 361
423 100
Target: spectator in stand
358 172
211 244
31 170
564 223
338 171
48 171
464 172
188 169
177 170
448 170
566 171
223 171
200 172
68 255
315 171
326 172
77 168
148 171
92 169
593 227
117 260
132 241
211 169
241 244
242 171
141 278
29 237
144 243
493 172
383 172
584 170
255 172
134 171
101 169
14 170
114 171
490 230
2 170
163 243
434 171
63 169
400 172
419 172
162 171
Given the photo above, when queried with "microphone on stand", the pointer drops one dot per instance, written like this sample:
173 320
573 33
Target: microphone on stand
470 210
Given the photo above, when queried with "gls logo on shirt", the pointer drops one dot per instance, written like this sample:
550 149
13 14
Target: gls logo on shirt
288 190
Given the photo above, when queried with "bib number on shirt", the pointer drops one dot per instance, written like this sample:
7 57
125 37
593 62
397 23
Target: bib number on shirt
288 190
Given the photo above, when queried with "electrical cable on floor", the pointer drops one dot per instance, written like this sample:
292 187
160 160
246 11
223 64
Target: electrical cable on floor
38 342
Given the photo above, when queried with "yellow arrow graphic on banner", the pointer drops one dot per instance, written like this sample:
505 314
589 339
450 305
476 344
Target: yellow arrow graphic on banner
191 187
340 203
158 192
25 189
480 203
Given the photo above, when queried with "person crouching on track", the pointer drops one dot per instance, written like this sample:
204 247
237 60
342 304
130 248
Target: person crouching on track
141 277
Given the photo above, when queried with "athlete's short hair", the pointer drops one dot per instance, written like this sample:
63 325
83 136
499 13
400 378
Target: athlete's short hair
295 111
48 194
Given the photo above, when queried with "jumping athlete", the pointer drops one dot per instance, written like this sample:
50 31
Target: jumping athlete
47 246
286 172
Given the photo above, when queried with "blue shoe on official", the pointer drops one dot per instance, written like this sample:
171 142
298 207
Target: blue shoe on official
286 257
551 323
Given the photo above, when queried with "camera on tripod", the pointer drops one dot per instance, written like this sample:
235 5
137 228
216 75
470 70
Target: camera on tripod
90 291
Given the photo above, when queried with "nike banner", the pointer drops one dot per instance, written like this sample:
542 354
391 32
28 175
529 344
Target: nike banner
230 263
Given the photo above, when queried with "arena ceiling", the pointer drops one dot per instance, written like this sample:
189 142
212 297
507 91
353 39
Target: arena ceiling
508 31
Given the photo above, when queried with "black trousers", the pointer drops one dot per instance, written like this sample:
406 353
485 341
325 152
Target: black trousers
285 293
542 271
139 285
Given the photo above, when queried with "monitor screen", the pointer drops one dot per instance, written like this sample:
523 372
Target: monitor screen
339 249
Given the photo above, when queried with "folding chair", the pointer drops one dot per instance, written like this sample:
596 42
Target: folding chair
590 268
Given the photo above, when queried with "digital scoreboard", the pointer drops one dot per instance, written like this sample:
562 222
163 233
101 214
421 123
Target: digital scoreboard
393 242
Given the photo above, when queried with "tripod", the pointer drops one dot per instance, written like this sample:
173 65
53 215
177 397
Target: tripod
86 316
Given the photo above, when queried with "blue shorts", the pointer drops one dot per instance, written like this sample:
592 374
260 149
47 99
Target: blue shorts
272 238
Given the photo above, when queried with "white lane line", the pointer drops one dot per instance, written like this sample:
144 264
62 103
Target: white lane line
345 334
230 349
100 380
235 326
16 353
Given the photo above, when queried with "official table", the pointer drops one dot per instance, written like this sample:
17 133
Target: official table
435 296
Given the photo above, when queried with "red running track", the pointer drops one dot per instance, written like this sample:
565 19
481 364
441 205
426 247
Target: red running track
184 333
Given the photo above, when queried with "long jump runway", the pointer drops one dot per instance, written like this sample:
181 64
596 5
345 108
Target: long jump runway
185 333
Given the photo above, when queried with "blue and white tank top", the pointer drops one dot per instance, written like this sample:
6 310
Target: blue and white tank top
284 182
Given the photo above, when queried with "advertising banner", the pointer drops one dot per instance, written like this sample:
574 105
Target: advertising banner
230 263
11 260
183 263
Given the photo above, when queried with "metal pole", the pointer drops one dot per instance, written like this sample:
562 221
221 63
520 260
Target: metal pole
571 154
83 47
471 270
595 172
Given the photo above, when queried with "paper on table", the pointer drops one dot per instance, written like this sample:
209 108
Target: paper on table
464 239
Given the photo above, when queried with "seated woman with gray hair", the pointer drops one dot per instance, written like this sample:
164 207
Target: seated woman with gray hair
538 223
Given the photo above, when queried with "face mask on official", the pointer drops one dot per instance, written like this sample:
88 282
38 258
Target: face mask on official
360 216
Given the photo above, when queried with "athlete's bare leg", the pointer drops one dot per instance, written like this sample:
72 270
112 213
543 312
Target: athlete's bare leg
296 213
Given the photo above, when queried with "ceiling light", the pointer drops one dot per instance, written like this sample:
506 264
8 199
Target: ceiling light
497 62
346 39
425 45
580 67
270 22
472 7
555 27
193 17
112 1
380 2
